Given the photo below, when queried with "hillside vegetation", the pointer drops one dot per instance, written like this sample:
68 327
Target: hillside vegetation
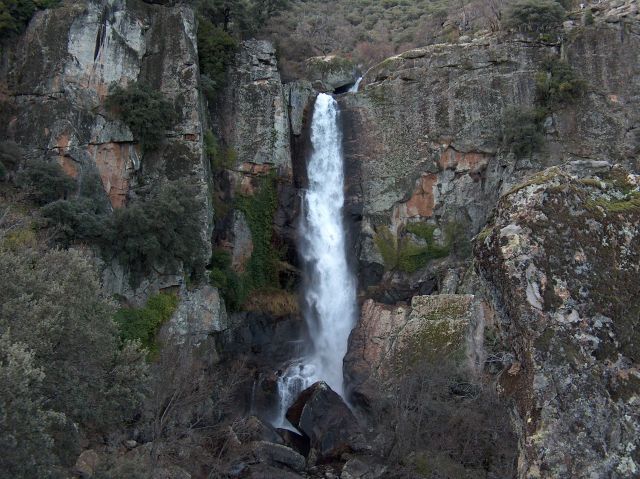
371 30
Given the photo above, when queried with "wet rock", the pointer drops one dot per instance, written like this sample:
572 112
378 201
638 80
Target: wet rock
295 441
325 419
277 455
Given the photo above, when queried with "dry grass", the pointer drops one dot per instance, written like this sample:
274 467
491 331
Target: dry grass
273 301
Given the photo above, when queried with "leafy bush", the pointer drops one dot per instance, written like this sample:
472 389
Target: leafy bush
10 156
163 229
557 84
15 14
144 110
259 210
76 219
534 15
522 130
25 438
226 280
142 324
263 266
51 303
411 256
215 51
220 158
45 182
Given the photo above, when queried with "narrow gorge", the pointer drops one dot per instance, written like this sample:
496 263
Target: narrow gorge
295 239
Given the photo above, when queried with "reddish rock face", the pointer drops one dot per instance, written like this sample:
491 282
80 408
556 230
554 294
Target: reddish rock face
471 162
112 160
421 203
433 326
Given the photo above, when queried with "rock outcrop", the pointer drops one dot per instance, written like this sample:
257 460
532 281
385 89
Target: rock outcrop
561 254
423 137
330 73
322 416
432 327
252 110
55 79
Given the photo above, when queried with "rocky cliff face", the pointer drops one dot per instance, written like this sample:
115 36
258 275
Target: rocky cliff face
561 254
55 79
424 136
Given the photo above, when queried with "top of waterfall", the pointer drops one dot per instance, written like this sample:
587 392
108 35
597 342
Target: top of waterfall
356 86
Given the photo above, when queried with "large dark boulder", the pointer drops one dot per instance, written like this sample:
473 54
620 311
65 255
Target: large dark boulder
321 415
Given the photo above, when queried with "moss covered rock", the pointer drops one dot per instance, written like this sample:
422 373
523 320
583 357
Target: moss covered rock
562 254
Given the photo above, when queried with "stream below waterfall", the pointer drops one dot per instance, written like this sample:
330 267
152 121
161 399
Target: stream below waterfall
330 288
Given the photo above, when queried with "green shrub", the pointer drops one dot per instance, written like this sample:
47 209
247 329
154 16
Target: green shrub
387 245
588 18
259 210
15 14
146 112
534 15
522 130
45 182
161 230
263 266
220 158
53 304
142 324
557 84
215 51
226 280
75 219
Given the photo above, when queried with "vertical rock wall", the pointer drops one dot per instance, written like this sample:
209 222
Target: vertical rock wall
55 79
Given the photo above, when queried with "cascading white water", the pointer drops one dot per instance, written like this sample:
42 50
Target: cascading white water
331 290
356 86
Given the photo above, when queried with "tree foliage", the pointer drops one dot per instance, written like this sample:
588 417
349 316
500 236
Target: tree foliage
25 438
557 84
61 359
522 130
51 302
160 230
45 182
15 14
534 15
215 51
145 111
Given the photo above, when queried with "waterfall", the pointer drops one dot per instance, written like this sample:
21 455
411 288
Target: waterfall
356 86
331 290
